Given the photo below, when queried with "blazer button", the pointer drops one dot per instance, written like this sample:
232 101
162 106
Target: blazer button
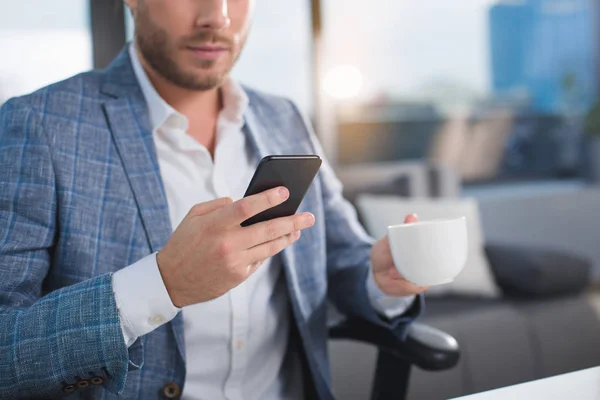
69 388
171 390
82 383
97 380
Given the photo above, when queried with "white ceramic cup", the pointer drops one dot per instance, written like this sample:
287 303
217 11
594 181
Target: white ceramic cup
430 253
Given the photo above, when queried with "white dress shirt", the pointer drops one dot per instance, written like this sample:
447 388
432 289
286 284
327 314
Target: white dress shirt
235 344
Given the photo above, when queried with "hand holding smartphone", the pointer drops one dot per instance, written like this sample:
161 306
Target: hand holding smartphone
295 172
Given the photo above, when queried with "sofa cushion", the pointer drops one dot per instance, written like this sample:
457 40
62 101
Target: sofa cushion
529 272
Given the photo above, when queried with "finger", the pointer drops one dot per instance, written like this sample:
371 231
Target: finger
411 219
268 231
394 274
272 248
403 288
209 206
250 206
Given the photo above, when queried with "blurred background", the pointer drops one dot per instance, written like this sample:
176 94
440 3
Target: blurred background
485 108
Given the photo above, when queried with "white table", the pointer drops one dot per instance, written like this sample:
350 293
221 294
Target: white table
581 385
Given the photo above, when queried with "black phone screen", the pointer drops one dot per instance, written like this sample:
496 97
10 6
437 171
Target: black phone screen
295 172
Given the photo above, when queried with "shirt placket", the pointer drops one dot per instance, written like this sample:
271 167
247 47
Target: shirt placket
239 349
238 299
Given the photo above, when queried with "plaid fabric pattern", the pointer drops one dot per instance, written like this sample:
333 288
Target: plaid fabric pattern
81 197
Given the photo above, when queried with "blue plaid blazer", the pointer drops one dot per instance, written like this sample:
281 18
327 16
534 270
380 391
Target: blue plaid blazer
81 196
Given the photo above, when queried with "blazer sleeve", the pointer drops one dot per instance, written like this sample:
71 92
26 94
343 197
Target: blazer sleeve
349 251
47 343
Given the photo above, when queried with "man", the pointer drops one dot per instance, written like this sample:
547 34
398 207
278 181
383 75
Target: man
125 270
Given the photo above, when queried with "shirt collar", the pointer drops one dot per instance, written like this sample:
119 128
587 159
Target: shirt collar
235 100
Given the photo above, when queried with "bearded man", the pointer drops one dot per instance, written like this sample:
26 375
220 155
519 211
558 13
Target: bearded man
125 271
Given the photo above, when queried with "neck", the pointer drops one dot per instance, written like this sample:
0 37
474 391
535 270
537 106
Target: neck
201 108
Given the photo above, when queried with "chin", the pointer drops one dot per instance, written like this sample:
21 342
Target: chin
210 76
206 82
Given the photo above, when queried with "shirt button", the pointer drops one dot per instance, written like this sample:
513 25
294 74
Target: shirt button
239 344
97 380
83 383
69 388
171 390
157 320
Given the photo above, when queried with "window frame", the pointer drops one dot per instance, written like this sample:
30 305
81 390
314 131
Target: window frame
107 19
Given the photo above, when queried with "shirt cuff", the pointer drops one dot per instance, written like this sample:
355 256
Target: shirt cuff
389 306
142 299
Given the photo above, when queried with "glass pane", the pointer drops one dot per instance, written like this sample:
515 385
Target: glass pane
42 42
277 57
275 60
491 88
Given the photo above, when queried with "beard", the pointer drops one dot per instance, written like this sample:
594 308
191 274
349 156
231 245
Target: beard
159 51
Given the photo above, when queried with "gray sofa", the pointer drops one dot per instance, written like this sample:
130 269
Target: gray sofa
548 327
508 342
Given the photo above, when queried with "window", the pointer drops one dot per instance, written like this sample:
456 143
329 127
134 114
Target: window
42 42
277 57
494 89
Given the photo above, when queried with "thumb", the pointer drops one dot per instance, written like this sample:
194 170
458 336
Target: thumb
210 206
411 219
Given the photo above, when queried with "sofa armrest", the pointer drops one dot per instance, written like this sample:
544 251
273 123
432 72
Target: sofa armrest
523 271
426 347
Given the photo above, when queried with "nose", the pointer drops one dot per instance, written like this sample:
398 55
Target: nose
214 15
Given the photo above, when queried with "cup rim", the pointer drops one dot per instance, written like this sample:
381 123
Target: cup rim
428 222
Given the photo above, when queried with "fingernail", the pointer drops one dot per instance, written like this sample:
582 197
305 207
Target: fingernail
309 218
283 192
297 235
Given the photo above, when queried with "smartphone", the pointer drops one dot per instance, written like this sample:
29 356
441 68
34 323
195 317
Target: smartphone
295 172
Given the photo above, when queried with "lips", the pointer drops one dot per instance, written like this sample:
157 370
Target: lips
208 52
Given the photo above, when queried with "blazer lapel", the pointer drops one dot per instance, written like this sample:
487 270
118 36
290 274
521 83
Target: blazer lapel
128 120
136 149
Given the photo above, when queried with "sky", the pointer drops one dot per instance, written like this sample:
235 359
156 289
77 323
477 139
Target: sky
400 46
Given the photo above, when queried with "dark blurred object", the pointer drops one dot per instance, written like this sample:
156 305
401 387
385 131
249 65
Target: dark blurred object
592 143
529 273
398 186
425 347
405 179
108 30
509 341
383 133
488 143
592 121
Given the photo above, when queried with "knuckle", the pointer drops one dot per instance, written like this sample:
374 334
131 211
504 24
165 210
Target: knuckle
244 209
272 198
298 223
278 245
224 249
274 248
291 238
271 231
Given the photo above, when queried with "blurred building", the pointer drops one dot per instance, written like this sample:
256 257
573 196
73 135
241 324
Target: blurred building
545 50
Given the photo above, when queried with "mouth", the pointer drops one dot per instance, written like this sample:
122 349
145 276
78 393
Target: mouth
208 52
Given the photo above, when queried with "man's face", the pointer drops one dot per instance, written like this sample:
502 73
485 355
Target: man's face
191 43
